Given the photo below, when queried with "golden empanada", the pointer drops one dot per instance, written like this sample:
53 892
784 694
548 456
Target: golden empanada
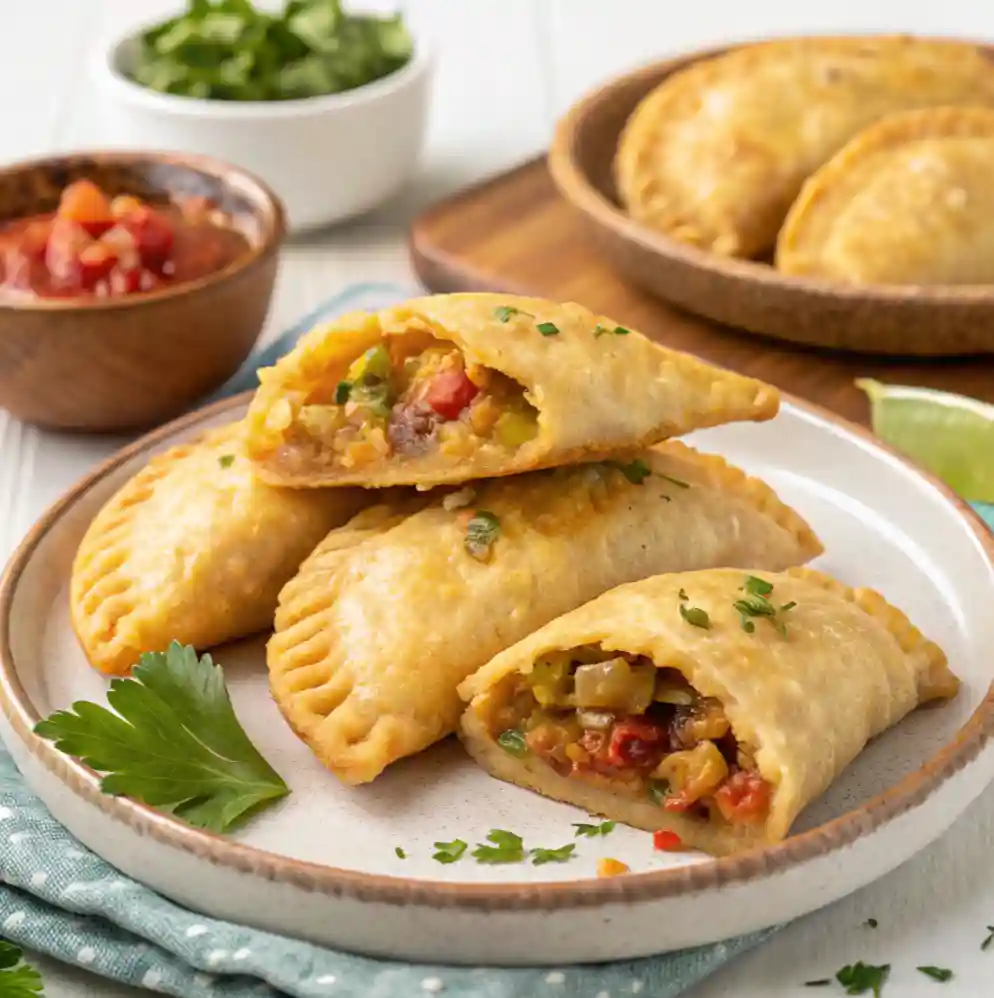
715 705
193 549
909 201
715 155
455 387
387 617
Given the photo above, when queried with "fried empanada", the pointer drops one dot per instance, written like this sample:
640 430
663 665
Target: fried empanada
193 549
908 201
714 704
377 630
451 388
716 154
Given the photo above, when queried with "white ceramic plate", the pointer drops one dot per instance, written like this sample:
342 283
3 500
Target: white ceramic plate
323 866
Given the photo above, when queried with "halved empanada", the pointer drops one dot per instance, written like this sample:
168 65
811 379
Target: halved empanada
715 155
193 549
456 387
372 638
713 704
909 201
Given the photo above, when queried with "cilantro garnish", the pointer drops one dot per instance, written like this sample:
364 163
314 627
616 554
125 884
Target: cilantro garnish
226 460
990 939
940 974
513 742
600 331
636 471
505 312
548 328
342 392
859 978
674 481
683 594
482 532
696 616
757 604
561 855
400 852
231 50
17 978
757 586
822 982
592 831
449 852
174 743
507 848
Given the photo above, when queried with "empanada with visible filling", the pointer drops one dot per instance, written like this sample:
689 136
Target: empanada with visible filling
714 704
716 154
194 548
451 388
908 201
378 629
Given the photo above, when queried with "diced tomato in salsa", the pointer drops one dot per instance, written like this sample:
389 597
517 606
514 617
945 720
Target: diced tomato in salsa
636 741
450 392
666 841
744 798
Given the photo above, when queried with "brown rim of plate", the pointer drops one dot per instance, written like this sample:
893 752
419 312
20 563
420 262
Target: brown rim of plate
220 851
267 208
574 184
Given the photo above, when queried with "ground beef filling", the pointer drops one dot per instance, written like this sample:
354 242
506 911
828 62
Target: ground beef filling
625 724
394 402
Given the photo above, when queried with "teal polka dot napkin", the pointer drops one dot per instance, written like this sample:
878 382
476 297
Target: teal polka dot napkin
59 898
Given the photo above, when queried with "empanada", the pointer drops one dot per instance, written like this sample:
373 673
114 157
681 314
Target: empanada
715 155
193 549
712 704
372 639
455 387
908 201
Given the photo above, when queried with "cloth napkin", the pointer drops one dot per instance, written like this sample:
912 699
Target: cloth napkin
59 898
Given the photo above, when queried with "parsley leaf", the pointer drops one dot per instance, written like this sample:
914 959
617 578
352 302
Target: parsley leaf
507 848
990 939
757 586
174 743
696 616
482 532
636 471
600 331
226 460
548 328
400 852
859 978
561 855
757 604
17 978
342 392
513 742
505 312
449 852
940 974
592 831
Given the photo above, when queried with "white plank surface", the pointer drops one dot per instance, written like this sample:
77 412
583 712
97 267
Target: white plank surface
506 69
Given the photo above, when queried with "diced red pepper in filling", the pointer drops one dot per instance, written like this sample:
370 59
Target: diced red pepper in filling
450 392
85 204
666 841
636 742
744 798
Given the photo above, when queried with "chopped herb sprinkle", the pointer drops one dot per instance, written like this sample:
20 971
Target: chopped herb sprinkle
506 848
542 856
342 392
871 923
482 532
986 944
940 974
505 312
822 982
636 471
683 594
584 830
513 742
658 791
600 331
548 328
449 852
226 460
400 853
757 586
675 481
696 616
859 978
757 604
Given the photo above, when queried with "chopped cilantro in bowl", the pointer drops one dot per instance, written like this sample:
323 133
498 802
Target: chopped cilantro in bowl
231 50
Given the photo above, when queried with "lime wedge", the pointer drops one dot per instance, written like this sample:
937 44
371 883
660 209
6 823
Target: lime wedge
950 435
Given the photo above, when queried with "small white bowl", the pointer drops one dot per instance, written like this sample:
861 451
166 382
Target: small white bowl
329 158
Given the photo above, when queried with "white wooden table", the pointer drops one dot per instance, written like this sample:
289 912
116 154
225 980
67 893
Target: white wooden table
507 69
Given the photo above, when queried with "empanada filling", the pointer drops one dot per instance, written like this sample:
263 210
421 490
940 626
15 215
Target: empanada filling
617 721
410 396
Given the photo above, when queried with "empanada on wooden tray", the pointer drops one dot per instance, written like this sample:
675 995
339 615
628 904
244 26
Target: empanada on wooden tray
910 200
716 154
194 548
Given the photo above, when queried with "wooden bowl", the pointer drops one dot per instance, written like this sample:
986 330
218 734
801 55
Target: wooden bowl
127 363
900 320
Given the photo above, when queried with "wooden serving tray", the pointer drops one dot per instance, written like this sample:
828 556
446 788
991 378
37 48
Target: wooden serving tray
515 234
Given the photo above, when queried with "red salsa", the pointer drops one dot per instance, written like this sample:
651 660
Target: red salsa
99 246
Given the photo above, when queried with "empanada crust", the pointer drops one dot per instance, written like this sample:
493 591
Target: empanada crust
372 640
716 154
908 201
194 548
850 667
595 394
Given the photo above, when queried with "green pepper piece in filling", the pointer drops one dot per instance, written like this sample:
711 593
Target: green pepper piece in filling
373 365
368 379
376 397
